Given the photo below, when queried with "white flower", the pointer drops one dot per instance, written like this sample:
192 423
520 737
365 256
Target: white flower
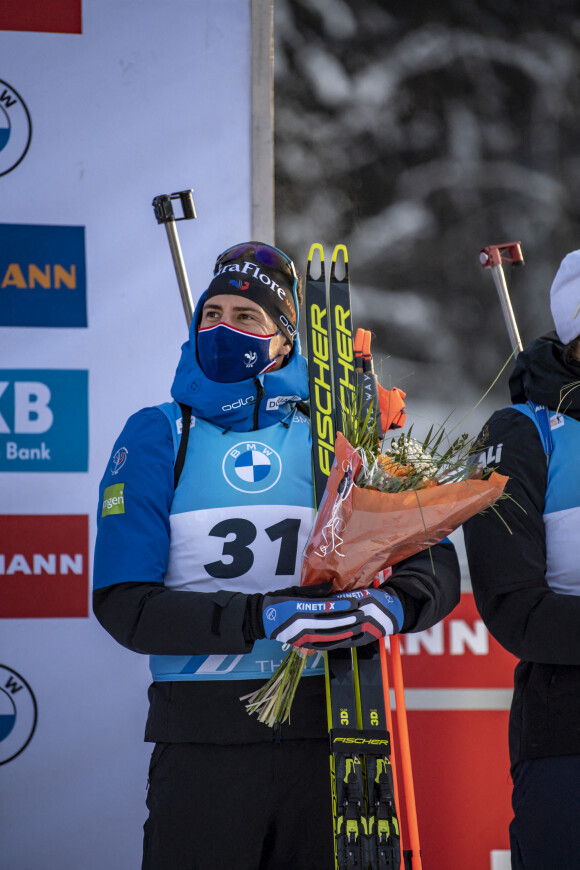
409 451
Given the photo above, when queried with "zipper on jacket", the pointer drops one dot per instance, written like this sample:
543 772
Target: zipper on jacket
260 396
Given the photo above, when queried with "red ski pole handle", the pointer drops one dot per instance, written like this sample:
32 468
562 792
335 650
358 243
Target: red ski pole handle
358 350
495 255
391 403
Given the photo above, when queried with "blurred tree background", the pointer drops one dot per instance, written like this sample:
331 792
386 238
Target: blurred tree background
417 134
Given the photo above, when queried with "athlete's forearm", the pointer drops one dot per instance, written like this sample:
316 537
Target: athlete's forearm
148 618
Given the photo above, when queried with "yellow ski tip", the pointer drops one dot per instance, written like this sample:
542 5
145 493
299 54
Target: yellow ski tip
316 247
338 249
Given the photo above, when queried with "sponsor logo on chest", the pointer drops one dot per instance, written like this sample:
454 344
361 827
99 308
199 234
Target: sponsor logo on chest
251 466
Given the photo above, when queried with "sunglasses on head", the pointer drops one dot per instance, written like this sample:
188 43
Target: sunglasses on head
267 255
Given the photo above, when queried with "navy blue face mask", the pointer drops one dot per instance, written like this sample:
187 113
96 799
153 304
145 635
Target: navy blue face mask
227 355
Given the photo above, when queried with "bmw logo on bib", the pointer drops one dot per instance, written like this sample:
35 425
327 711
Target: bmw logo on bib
251 466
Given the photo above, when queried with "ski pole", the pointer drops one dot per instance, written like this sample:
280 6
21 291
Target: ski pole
405 750
365 373
164 212
492 258
389 718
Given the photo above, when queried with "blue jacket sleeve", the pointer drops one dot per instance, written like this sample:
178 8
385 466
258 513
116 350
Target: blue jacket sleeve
135 498
130 599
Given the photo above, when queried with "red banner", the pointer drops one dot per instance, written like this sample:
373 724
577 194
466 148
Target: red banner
458 731
462 786
44 569
458 653
41 16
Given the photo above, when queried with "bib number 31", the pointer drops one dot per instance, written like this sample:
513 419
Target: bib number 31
238 553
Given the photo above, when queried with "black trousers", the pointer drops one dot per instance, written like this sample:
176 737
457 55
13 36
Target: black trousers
545 831
261 806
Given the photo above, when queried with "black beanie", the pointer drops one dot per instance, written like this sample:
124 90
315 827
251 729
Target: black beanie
252 281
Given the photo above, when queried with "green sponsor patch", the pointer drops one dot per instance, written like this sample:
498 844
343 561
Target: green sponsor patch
113 500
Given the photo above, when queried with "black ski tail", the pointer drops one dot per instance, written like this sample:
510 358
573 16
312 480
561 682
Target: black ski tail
351 824
384 834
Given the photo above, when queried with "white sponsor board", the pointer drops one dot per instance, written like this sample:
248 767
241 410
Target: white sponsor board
151 97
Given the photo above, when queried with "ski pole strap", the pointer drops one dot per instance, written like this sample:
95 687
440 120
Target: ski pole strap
392 404
387 406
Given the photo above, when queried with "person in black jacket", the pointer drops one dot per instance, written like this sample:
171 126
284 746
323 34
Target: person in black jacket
525 571
203 577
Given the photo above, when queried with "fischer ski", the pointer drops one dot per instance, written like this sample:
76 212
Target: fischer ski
366 829
347 774
319 374
383 829
341 343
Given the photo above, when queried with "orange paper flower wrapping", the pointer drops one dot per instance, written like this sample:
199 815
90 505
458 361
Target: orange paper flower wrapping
358 532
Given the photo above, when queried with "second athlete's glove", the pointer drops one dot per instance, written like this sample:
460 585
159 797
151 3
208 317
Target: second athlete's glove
343 620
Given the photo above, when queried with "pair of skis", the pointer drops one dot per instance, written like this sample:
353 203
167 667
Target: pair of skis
366 826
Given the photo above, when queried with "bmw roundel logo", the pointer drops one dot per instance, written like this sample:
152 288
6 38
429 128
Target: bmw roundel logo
251 466
15 128
18 714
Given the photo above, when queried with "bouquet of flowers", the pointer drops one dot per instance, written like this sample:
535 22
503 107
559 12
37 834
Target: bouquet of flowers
382 504
374 514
